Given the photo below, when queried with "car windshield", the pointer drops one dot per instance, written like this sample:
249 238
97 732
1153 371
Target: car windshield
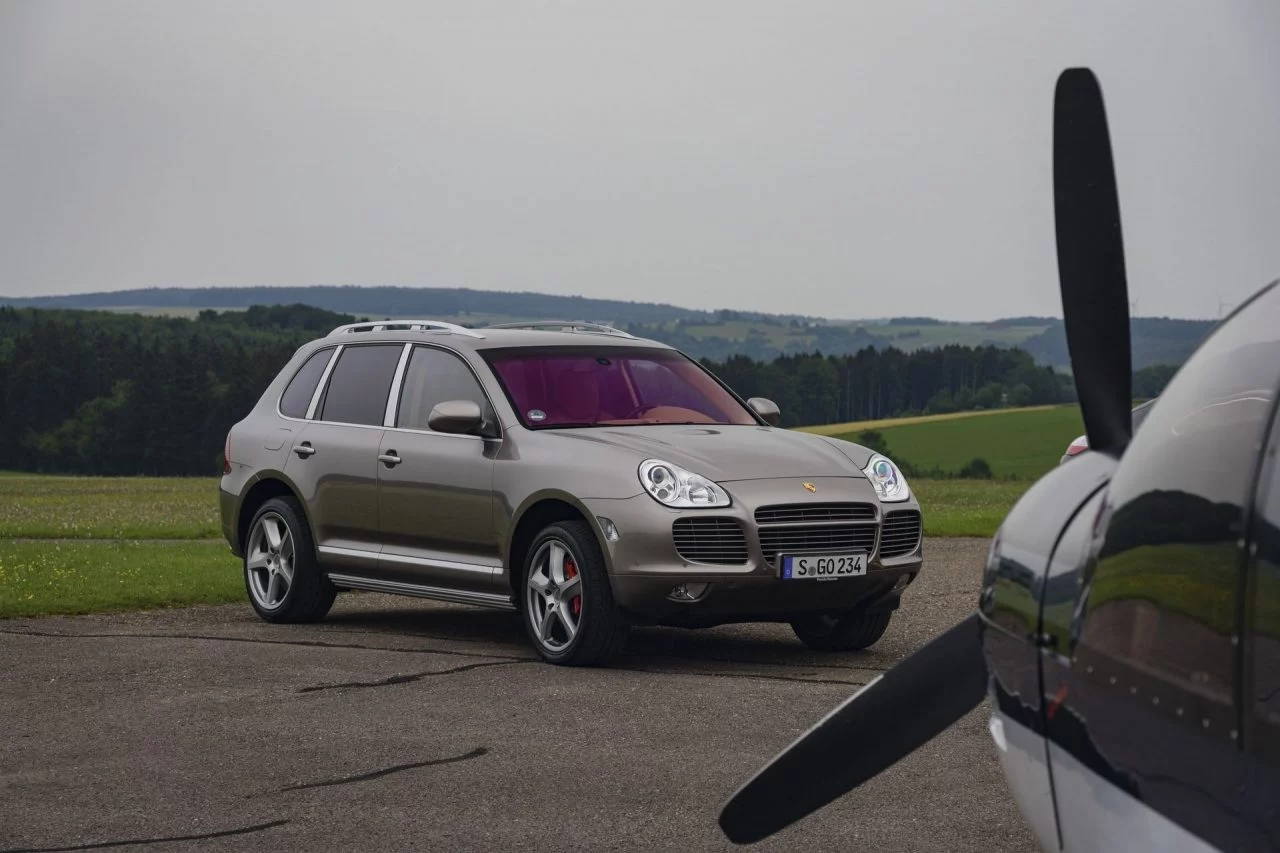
581 387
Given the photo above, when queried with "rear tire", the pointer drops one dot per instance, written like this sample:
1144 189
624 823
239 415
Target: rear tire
841 632
566 600
281 573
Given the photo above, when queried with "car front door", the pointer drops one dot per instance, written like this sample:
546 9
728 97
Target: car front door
435 489
334 460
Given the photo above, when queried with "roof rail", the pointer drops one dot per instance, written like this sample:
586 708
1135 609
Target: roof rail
410 325
565 326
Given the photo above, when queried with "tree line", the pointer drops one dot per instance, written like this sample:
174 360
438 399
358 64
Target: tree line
880 383
120 394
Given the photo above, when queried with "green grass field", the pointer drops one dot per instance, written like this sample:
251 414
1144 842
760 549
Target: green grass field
94 544
89 544
43 507
966 507
44 577
1020 443
851 427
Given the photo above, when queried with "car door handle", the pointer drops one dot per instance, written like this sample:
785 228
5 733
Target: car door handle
304 450
389 459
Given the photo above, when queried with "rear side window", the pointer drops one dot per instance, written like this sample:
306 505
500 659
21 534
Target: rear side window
359 384
297 397
435 376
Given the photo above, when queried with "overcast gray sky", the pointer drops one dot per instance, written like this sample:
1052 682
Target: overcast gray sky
830 158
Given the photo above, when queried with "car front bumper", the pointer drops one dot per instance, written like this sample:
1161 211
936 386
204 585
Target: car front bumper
646 568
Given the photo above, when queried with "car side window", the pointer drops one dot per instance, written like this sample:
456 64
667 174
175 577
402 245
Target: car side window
435 376
1163 599
297 397
359 384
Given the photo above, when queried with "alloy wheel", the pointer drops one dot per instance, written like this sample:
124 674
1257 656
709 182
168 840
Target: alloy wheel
553 596
269 561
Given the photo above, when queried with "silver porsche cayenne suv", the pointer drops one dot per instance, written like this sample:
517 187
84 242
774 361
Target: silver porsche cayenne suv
588 479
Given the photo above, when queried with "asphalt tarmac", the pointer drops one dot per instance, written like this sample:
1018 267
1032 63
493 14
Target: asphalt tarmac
399 724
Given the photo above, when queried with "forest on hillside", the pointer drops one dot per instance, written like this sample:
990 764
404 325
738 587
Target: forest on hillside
105 393
721 334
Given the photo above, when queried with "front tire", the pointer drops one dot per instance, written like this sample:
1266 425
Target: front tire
566 599
281 574
841 632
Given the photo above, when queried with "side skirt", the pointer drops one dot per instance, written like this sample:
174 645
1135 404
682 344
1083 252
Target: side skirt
482 599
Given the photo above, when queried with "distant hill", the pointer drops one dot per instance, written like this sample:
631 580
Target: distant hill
703 334
375 301
1155 340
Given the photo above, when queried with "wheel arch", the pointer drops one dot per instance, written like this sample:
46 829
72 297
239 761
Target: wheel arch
537 512
267 486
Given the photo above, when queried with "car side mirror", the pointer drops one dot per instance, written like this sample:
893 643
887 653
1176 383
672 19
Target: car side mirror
766 409
459 417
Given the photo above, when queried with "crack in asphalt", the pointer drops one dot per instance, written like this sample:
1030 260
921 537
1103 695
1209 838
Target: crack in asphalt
409 678
720 659
497 659
100 845
378 774
304 643
747 675
652 654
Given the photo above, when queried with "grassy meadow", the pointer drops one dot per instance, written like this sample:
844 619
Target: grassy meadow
844 430
42 577
98 544
94 544
47 507
1020 444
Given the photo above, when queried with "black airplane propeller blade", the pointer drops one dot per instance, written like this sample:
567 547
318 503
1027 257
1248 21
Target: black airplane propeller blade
894 715
878 725
1095 299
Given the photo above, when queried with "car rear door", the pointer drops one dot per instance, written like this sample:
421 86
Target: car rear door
436 503
334 459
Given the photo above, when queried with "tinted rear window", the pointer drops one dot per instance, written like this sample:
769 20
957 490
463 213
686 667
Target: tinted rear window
297 397
359 384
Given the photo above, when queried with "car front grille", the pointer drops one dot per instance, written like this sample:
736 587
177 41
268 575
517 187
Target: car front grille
901 533
808 513
710 540
816 528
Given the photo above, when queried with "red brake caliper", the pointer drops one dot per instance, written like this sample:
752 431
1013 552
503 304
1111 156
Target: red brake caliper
571 571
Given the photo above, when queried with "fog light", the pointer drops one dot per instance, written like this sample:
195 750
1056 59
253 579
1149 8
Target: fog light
688 591
610 530
902 582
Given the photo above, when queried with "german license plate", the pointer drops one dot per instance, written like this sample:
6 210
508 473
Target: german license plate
824 566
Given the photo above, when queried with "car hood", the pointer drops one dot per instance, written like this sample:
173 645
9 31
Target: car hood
728 453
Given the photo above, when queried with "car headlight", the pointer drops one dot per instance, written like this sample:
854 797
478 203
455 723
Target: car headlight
675 487
888 481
